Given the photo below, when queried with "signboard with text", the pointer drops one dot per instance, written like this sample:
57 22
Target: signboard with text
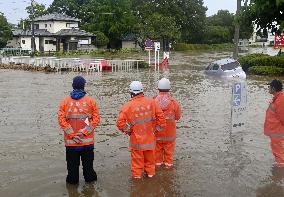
239 106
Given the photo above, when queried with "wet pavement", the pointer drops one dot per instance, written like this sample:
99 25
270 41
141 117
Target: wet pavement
209 160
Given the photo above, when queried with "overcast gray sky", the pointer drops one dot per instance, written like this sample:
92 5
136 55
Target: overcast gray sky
14 10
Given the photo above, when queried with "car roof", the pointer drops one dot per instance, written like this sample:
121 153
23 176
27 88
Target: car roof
224 61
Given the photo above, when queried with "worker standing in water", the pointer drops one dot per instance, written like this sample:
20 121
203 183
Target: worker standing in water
274 122
78 116
140 118
167 138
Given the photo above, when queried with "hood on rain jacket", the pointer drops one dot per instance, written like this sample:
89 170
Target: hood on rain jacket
172 112
75 115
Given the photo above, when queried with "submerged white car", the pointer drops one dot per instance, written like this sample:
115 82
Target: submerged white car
229 68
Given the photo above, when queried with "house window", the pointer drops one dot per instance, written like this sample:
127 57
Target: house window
36 26
71 25
49 42
49 25
45 25
23 42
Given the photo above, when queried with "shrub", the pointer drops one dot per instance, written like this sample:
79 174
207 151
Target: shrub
266 70
253 60
143 64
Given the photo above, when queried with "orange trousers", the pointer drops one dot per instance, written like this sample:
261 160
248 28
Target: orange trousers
277 146
165 152
142 159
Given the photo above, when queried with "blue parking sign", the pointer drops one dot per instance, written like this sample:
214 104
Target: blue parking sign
237 94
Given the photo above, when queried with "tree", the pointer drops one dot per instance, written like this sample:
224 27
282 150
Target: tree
268 13
189 15
218 34
101 39
5 31
113 18
159 27
220 27
39 10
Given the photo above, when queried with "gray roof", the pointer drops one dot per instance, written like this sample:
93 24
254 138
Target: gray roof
56 17
44 32
38 32
129 37
73 32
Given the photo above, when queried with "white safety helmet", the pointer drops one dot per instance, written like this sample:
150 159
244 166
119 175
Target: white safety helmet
164 84
136 87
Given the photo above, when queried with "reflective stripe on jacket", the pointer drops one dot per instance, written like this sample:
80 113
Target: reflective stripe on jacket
274 119
75 115
141 117
172 112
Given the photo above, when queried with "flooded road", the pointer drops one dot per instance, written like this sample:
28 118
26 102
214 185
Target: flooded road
209 161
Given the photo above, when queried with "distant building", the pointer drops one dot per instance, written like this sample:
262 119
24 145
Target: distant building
53 32
261 41
129 41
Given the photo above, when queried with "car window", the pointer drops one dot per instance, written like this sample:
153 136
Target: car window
230 66
215 67
209 67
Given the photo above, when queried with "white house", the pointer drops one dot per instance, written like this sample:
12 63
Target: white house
53 32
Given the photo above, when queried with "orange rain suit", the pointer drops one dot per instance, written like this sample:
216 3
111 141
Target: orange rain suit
76 115
166 139
140 117
274 127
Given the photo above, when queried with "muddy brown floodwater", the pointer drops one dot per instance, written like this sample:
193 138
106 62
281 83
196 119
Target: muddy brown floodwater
208 162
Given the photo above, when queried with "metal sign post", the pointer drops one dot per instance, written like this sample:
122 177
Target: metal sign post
239 106
157 54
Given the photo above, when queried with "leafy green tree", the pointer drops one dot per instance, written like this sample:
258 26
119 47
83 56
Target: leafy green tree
159 27
39 10
113 18
221 26
5 31
101 39
268 13
218 34
189 15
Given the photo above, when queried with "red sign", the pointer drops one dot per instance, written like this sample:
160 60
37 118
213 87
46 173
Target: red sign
278 41
148 48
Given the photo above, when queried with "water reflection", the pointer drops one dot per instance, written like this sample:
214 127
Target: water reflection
88 190
273 189
162 184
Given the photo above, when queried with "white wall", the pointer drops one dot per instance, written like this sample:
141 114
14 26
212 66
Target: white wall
28 42
58 25
49 47
129 44
55 26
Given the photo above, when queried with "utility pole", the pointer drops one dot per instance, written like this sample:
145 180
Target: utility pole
237 30
33 29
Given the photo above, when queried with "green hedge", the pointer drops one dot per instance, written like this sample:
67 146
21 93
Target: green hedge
192 47
143 64
266 70
257 60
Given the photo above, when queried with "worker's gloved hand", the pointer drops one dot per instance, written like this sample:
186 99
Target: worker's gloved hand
80 133
77 139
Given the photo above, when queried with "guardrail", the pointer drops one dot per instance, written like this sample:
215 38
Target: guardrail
74 64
